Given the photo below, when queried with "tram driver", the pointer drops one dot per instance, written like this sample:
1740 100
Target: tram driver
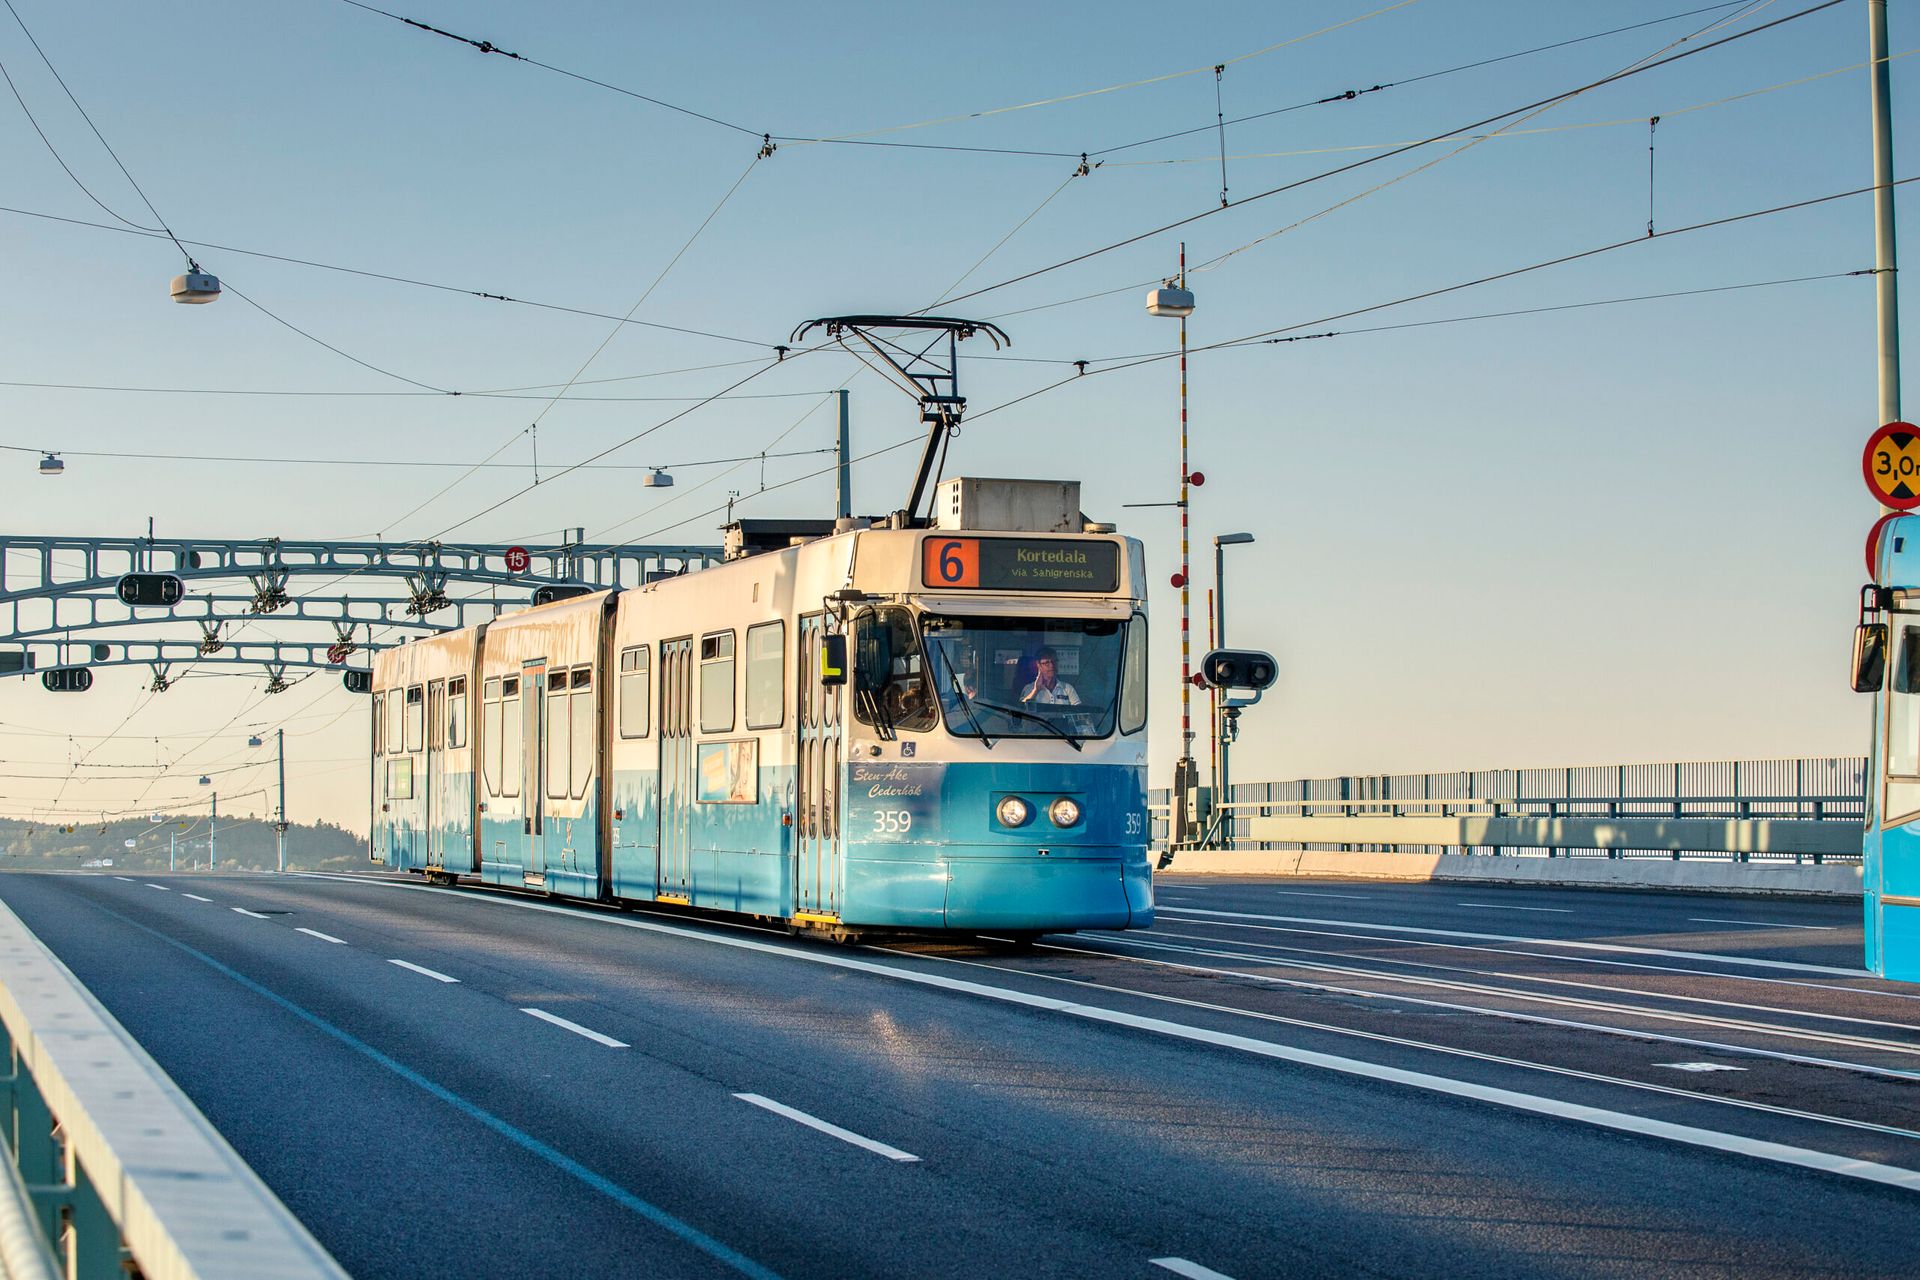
1048 689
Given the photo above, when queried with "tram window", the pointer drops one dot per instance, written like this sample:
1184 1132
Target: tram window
457 712
1133 678
393 720
557 736
890 672
379 724
416 717
1903 709
490 735
400 778
511 737
633 691
766 676
584 730
716 683
1029 677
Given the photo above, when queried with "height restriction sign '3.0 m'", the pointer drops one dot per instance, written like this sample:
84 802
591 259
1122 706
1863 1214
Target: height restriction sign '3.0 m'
1891 465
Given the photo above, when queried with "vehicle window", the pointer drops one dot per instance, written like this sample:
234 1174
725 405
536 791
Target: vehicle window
557 736
766 676
1027 677
899 694
634 691
1133 678
1903 708
394 720
490 735
511 737
379 724
416 717
585 736
716 683
400 778
457 712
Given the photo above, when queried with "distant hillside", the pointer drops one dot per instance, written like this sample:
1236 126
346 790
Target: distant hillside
243 843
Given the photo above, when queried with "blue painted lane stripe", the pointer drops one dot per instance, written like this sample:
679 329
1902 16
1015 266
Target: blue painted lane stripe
558 1159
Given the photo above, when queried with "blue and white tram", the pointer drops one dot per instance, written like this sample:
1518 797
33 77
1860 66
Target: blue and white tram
702 741
1886 663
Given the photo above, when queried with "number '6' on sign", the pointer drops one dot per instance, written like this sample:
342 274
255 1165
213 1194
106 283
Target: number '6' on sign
1891 465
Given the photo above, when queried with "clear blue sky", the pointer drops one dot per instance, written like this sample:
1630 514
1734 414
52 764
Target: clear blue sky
1617 533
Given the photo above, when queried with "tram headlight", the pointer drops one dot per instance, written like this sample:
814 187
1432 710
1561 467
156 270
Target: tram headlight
1013 812
1064 812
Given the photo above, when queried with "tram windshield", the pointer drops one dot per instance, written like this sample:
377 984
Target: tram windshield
1031 677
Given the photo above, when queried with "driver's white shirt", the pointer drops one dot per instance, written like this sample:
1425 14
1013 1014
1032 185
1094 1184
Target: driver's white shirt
1061 694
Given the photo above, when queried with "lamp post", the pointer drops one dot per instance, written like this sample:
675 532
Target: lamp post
1174 300
1229 716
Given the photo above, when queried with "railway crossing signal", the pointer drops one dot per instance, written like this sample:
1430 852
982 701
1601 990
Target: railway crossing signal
358 681
1239 669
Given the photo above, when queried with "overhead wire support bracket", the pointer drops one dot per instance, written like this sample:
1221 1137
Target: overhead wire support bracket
933 381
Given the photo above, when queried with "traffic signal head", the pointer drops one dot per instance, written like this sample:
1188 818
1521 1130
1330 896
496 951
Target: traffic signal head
358 681
1239 669
66 680
159 590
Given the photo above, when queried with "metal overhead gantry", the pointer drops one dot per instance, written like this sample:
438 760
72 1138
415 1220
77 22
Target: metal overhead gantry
58 595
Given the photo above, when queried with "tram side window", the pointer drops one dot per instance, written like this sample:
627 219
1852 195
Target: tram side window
490 734
512 733
766 675
1903 708
457 712
716 683
416 717
887 636
1133 678
634 692
379 724
393 720
585 730
557 736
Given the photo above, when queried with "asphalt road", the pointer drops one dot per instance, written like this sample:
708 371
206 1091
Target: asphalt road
1281 1079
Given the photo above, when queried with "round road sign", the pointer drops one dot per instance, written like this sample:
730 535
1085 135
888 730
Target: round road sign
518 559
1891 465
1873 544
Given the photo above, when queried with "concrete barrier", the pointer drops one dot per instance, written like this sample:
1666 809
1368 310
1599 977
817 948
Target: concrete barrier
1610 873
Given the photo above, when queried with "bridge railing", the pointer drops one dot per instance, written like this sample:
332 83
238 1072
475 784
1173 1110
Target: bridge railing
1807 809
112 1171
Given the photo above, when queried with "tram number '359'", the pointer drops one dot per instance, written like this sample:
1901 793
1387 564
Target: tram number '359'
892 822
1136 823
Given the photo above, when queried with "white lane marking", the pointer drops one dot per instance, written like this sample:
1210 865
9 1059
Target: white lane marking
128 879
418 968
196 897
255 914
1614 948
162 888
324 937
574 1027
1624 1122
1514 1015
832 1130
1191 1270
1761 924
1698 1066
1508 906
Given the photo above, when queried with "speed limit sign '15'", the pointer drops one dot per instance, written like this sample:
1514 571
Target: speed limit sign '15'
1891 465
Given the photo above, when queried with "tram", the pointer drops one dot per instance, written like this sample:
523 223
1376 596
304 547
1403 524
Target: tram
915 726
1886 663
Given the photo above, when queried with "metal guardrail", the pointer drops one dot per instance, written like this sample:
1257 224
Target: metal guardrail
1788 810
112 1170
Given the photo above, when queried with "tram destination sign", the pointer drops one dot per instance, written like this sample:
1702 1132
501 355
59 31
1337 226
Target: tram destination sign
1020 564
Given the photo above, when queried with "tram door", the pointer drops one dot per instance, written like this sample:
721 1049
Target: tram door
436 772
675 878
816 819
533 775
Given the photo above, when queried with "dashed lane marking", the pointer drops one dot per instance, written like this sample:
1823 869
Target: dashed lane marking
574 1027
254 914
1508 906
162 888
1191 1270
832 1130
324 937
436 975
1761 924
196 897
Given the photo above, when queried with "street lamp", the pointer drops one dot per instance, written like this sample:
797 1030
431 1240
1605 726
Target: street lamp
1230 716
1175 301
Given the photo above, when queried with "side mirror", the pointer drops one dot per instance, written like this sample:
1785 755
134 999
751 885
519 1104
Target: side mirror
833 660
1870 657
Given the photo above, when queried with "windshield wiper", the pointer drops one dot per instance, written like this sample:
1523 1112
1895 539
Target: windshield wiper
1072 741
960 688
